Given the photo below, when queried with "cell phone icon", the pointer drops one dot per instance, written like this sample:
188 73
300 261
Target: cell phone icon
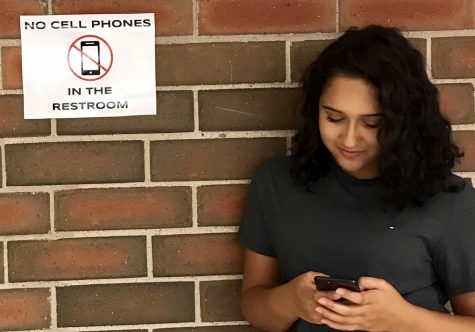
90 58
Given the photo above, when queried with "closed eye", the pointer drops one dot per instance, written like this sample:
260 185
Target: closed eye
372 124
330 119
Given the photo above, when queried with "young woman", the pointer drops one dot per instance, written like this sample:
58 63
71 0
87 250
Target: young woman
368 195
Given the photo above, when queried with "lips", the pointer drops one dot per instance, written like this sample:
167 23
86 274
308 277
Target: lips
350 154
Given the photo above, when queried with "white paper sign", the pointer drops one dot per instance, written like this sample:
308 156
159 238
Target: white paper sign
77 66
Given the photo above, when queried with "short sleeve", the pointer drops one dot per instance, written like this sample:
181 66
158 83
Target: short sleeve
455 250
253 233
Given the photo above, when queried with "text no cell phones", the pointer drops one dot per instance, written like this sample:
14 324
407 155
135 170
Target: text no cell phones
90 57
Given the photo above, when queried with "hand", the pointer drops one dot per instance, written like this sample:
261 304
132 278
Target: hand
305 296
378 307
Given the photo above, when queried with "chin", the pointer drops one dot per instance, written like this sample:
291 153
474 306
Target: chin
354 168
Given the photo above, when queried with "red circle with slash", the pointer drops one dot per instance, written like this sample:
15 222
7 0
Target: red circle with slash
105 69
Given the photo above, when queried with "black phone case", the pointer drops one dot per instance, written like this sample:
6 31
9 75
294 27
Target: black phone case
331 284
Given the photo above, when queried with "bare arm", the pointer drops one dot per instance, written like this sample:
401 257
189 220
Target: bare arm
263 303
463 319
273 307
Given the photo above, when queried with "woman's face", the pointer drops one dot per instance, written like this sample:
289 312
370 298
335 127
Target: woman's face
349 117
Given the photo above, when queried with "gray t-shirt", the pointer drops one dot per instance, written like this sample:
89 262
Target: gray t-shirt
338 226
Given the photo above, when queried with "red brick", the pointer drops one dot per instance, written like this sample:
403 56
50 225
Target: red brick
174 114
76 162
218 17
466 141
211 159
232 328
220 63
24 309
171 17
221 205
453 57
456 102
420 45
124 304
1 264
302 54
408 15
24 213
65 259
10 15
255 109
127 208
207 254
12 123
11 67
220 300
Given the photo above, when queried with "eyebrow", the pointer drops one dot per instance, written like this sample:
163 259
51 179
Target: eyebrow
338 111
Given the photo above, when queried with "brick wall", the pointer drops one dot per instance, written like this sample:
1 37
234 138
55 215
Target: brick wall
128 223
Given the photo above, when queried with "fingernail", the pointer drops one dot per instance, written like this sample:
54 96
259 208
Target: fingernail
322 301
319 309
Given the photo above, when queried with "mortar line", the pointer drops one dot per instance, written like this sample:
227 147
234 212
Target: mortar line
197 302
229 86
288 74
50 7
194 205
465 174
54 308
54 129
473 85
10 42
297 37
221 86
121 233
147 164
294 37
149 256
1 73
453 80
4 166
289 146
463 127
117 281
141 326
195 18
5 262
337 16
170 184
51 211
429 57
152 137
11 92
196 115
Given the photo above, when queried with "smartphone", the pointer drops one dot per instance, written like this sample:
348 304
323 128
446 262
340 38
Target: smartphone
90 58
331 284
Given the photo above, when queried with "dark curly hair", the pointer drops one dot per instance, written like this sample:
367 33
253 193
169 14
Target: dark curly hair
416 151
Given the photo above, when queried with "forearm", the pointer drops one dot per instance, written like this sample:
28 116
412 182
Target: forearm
423 320
269 308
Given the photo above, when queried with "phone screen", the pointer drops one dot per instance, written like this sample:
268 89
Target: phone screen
90 58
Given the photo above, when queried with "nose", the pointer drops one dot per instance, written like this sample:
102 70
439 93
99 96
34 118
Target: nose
350 136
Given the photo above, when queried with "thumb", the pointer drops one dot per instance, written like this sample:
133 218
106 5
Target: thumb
366 283
312 274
